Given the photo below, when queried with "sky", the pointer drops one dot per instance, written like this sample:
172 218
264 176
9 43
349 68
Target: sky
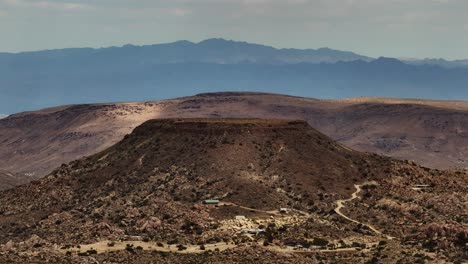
392 28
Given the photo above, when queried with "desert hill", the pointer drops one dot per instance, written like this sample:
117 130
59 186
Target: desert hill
433 133
259 164
149 188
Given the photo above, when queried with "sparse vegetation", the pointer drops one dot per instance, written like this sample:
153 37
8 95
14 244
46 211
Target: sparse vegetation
112 195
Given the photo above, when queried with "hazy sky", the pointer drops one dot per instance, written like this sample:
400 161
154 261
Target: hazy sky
397 28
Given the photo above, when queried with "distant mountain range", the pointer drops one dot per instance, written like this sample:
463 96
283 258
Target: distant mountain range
208 51
33 80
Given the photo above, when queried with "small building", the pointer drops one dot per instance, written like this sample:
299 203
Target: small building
253 231
133 238
299 246
283 210
240 217
211 201
315 247
421 187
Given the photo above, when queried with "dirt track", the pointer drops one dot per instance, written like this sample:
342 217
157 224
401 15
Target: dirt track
340 205
103 246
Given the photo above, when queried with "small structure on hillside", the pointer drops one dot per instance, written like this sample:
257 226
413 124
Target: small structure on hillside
421 187
240 217
283 210
299 246
211 201
253 231
315 247
133 238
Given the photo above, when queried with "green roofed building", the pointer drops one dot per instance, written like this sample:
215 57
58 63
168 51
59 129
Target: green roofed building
211 202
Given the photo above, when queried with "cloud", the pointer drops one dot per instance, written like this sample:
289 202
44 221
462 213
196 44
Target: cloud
180 12
345 24
43 4
64 6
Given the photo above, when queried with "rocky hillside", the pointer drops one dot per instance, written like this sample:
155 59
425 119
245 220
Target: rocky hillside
168 166
147 193
432 133
9 180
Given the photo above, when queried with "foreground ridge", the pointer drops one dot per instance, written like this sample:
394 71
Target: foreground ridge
237 187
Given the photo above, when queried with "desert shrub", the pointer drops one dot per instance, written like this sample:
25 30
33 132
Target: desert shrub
320 242
356 244
129 248
172 242
181 247
92 252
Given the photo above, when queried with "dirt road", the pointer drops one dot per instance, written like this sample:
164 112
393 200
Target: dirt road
340 205
104 246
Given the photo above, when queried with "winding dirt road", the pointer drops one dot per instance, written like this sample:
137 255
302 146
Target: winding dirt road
340 205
